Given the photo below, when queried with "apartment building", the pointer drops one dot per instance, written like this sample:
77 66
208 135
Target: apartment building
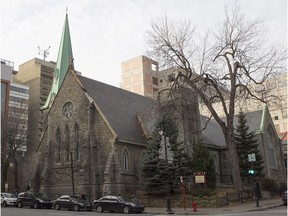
140 75
14 103
38 75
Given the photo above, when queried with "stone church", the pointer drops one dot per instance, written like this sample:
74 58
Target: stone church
94 136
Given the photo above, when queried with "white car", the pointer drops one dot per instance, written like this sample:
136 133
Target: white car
8 199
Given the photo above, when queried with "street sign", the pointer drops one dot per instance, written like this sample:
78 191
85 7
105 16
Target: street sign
251 157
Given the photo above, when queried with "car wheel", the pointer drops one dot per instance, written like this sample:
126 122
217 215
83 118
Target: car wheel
35 206
99 209
76 208
57 207
126 209
19 205
5 204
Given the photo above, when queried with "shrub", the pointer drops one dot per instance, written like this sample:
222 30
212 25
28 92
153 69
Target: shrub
270 185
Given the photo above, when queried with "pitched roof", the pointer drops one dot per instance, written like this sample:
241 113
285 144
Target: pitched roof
121 108
213 134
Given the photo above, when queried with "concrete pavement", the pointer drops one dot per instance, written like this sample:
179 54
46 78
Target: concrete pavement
233 208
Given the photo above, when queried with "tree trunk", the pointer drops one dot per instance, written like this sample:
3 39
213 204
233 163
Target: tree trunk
4 173
16 173
72 173
233 159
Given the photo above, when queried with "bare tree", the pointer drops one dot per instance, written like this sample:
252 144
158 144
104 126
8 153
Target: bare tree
13 138
220 66
71 155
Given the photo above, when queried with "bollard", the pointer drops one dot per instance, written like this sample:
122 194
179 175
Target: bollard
194 206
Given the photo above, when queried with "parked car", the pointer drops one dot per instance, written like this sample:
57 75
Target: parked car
284 198
33 200
8 199
118 204
72 202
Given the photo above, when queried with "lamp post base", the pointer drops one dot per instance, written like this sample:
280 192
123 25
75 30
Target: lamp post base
169 210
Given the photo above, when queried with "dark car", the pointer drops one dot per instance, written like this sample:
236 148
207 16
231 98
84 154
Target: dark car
72 202
118 204
33 200
284 198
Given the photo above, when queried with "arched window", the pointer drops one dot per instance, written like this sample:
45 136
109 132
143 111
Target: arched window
216 164
67 146
143 157
125 160
58 146
76 142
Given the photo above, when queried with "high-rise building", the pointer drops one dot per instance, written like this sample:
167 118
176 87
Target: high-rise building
38 75
14 103
140 75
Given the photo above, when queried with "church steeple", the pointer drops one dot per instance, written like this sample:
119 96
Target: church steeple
64 60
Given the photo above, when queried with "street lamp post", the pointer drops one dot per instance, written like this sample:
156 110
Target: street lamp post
168 201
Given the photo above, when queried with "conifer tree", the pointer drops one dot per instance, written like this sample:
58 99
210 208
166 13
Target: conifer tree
203 161
157 172
246 143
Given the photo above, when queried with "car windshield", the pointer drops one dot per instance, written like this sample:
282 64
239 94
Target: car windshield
76 198
123 199
9 195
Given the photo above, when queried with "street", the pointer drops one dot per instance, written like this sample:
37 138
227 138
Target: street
11 211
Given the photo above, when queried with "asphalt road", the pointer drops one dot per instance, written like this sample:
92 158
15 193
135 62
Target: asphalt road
13 211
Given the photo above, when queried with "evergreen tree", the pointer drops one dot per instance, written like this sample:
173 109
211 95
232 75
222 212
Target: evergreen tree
158 172
203 161
246 143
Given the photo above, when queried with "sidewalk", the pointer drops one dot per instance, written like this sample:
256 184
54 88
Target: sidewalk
236 208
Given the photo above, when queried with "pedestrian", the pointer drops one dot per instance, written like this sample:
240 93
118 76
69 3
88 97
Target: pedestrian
136 199
83 196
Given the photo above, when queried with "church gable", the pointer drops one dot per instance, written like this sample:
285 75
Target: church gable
121 109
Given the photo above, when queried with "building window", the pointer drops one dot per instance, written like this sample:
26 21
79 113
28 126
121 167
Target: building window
125 160
58 146
171 77
67 147
276 118
76 143
153 67
68 110
143 157
155 81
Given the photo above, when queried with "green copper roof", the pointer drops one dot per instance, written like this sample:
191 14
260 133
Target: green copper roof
65 58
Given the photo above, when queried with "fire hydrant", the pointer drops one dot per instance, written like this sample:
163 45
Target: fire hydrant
194 206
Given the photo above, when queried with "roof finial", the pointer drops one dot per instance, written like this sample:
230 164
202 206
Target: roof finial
66 9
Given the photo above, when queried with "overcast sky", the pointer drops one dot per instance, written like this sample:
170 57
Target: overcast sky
105 33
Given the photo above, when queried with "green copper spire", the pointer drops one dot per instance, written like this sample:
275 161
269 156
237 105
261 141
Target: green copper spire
64 60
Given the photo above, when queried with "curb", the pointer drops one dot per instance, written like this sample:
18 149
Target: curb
260 208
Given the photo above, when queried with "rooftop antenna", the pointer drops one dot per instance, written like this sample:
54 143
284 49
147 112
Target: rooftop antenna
45 52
